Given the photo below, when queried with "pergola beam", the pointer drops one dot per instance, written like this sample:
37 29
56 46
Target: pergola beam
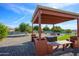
39 25
35 17
58 14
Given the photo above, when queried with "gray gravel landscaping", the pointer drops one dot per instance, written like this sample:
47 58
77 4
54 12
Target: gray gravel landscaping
21 50
22 46
17 46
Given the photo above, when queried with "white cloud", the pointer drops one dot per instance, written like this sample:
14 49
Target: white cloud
69 24
56 5
26 10
19 19
19 9
65 25
39 1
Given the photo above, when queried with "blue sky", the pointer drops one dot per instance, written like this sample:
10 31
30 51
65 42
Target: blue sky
13 14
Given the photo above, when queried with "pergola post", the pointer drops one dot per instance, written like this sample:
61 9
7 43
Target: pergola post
39 25
78 32
78 27
53 25
32 28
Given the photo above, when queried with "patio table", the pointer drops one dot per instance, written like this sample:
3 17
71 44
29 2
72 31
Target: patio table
51 38
58 43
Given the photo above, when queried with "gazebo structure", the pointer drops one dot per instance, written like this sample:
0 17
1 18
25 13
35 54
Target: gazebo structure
47 15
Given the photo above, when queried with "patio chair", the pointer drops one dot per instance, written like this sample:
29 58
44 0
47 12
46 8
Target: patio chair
33 36
67 45
74 40
76 44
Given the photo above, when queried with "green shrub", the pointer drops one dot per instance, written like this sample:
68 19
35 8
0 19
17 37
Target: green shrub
3 31
36 28
46 28
17 29
23 27
56 29
68 31
29 29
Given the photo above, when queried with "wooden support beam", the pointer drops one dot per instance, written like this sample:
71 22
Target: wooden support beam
53 25
39 25
35 17
58 14
32 28
77 32
78 27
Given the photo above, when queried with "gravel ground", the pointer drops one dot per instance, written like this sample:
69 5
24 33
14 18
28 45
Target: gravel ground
12 41
17 46
22 46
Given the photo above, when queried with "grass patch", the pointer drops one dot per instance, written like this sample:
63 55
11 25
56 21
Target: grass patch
64 37
2 40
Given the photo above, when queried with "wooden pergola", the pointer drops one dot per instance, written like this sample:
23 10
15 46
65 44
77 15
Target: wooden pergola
47 15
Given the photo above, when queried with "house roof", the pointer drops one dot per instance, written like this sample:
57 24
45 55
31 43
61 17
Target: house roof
52 15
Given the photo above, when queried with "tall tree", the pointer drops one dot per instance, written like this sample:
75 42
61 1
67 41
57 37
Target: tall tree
16 29
29 29
36 28
23 27
68 31
56 29
46 28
